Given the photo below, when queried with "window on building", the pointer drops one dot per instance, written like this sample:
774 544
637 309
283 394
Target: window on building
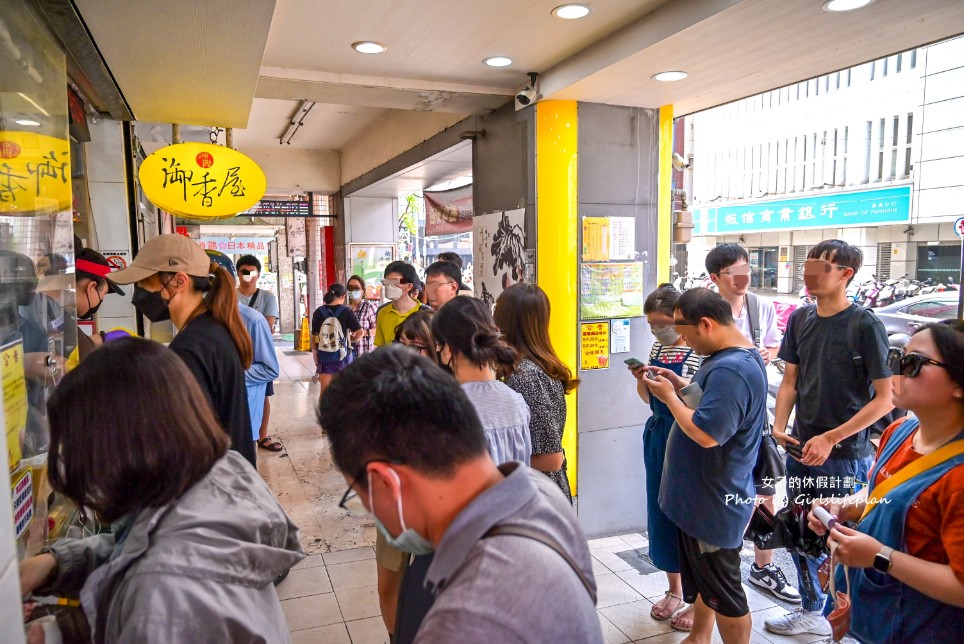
881 129
893 150
913 58
867 139
907 144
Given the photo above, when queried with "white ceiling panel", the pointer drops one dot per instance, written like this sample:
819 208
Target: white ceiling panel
326 127
176 61
451 164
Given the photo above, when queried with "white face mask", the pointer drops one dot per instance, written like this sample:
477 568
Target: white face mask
665 335
250 277
394 293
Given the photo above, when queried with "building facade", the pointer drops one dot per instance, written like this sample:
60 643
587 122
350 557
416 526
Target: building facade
873 154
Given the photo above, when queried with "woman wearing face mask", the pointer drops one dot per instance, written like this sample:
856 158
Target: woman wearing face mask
522 313
906 553
668 352
175 280
93 285
472 346
364 310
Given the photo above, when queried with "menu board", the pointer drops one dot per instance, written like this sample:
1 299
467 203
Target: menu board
611 290
594 346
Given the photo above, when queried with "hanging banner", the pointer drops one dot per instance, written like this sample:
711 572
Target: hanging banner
202 181
448 211
297 239
34 174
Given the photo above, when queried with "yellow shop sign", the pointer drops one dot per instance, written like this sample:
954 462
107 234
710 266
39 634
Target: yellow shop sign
202 180
34 174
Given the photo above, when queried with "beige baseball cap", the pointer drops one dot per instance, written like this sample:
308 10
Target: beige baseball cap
166 253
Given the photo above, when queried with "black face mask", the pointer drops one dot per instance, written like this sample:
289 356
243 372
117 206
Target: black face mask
151 304
91 310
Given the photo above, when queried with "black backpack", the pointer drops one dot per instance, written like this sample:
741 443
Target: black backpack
853 344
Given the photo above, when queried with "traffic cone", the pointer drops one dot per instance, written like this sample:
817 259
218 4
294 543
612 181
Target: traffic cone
303 343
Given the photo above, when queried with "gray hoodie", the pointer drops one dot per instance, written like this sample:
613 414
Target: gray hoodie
197 570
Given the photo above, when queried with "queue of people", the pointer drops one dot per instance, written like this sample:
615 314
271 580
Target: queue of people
446 420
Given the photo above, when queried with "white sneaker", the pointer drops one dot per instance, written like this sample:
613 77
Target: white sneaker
799 621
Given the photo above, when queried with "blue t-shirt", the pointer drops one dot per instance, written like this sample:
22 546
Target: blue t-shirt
709 492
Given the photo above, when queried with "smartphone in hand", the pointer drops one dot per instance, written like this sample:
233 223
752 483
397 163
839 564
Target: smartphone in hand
633 363
794 450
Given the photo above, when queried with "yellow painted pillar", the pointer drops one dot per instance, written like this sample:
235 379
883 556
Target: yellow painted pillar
557 221
664 208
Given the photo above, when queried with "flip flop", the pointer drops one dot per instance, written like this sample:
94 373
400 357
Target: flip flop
676 626
679 602
270 444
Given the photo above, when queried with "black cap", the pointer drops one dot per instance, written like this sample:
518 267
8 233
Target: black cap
87 263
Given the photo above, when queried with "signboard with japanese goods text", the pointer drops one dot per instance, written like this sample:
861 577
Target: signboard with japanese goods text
34 174
202 181
859 208
236 245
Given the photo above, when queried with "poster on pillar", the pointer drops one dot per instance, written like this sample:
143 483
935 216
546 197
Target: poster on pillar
499 253
448 211
297 239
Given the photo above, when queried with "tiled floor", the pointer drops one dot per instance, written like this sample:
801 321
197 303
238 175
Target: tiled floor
331 597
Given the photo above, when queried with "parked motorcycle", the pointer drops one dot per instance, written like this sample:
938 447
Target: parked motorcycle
887 293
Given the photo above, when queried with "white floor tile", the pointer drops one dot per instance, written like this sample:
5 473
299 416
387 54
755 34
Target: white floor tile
368 631
304 582
612 590
353 574
331 634
347 556
358 603
310 612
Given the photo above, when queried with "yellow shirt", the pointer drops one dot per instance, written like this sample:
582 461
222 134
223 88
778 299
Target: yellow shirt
387 321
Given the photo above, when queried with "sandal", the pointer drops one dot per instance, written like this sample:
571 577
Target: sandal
661 604
677 625
270 444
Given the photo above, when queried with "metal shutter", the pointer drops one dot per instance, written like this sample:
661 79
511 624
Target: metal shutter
884 253
799 257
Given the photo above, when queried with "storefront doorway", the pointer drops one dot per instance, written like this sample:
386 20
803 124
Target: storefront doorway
763 262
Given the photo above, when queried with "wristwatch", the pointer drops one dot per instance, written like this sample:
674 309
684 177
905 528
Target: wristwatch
882 560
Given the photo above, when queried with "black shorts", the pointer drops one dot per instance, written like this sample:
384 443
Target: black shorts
269 389
714 576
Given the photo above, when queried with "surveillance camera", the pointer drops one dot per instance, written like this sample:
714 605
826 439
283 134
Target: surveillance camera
679 162
526 95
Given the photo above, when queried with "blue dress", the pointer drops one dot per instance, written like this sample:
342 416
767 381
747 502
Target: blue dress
663 549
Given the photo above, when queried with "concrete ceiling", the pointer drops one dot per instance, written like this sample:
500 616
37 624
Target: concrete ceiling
454 163
222 61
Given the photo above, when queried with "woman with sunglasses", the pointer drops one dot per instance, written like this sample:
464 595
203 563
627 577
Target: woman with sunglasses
416 333
906 553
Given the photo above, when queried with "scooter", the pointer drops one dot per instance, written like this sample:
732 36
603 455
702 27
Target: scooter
886 296
872 295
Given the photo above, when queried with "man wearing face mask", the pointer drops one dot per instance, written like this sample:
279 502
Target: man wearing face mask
729 268
93 285
511 562
400 279
266 303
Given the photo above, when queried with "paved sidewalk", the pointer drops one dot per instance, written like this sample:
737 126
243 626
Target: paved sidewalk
331 596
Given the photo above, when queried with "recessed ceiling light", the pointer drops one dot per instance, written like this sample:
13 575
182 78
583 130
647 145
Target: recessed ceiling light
368 47
837 6
498 61
571 11
668 77
29 122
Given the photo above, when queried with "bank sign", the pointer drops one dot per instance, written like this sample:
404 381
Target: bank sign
863 208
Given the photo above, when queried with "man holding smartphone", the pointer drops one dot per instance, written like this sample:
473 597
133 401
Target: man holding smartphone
709 462
830 383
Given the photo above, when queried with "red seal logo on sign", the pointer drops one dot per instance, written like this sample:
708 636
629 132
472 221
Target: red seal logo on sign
204 159
9 150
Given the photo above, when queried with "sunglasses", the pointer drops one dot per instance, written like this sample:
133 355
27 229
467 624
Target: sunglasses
909 365
350 501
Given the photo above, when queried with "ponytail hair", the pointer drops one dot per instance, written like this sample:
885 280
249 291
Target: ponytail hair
466 326
221 301
335 291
